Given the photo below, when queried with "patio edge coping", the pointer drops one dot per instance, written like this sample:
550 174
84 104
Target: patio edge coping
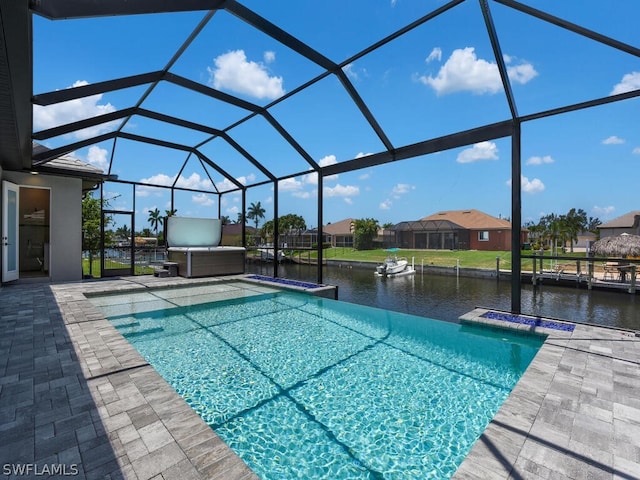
573 413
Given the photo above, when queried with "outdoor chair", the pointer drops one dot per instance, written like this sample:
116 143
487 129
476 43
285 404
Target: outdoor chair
610 271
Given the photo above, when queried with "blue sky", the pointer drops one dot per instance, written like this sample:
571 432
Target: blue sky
437 79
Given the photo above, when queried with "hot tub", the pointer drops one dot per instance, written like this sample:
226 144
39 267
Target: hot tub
194 246
207 261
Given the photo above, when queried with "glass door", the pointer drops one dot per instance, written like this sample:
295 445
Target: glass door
10 197
34 218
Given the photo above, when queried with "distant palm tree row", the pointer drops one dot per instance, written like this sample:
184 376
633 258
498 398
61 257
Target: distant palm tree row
559 229
551 229
255 212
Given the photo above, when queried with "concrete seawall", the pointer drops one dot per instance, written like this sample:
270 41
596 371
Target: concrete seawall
428 269
547 279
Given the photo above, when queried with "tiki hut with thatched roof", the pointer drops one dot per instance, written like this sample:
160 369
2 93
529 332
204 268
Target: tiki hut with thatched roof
623 245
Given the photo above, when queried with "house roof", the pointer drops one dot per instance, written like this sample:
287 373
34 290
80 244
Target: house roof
627 220
470 219
70 166
420 225
236 229
343 227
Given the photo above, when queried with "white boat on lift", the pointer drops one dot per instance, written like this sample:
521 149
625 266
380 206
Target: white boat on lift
394 266
266 254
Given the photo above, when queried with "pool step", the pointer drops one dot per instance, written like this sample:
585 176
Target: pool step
168 269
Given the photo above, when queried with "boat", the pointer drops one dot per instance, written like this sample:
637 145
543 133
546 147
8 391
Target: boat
266 254
394 266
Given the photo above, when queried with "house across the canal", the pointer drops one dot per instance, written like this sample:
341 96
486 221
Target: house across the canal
456 230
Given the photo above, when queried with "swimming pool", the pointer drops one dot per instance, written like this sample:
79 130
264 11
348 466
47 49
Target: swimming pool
306 387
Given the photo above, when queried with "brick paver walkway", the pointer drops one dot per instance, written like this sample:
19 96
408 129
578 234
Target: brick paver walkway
76 398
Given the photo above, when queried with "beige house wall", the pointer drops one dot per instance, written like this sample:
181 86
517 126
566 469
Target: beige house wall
66 221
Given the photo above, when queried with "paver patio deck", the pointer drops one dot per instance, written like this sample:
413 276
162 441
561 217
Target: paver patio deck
75 395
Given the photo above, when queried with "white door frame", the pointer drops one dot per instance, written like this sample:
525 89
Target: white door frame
10 245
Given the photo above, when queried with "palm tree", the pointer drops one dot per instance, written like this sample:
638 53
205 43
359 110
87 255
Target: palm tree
170 213
593 226
225 220
240 218
123 232
576 222
255 212
365 230
155 220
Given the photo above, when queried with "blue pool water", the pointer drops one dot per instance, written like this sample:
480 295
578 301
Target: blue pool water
305 387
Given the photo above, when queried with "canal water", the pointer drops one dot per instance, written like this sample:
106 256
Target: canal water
448 297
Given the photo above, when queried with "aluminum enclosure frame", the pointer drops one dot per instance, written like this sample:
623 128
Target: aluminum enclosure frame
16 82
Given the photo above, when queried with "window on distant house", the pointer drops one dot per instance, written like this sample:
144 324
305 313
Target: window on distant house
483 236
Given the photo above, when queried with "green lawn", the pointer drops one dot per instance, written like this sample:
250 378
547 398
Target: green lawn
95 270
440 258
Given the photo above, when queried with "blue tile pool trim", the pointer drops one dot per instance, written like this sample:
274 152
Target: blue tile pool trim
284 281
534 322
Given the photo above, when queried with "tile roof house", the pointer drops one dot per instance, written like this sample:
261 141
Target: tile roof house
456 230
341 233
232 233
627 223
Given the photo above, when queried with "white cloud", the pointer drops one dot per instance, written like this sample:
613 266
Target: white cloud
386 205
348 200
479 151
234 72
539 160
365 176
613 140
464 71
629 82
328 160
351 73
529 186
402 188
603 210
226 184
45 117
636 151
269 56
193 181
341 191
233 211
296 187
522 73
436 54
159 179
97 157
289 185
203 200
303 194
312 178
355 73
532 186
